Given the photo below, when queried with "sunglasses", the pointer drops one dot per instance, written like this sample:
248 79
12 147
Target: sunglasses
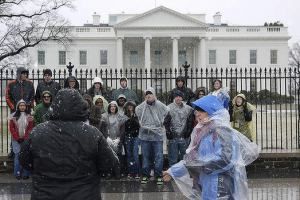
45 97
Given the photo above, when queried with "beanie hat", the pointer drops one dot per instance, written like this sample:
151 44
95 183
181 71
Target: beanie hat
150 90
209 104
47 71
97 80
177 93
46 92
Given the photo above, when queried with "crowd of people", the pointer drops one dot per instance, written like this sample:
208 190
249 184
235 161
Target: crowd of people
72 138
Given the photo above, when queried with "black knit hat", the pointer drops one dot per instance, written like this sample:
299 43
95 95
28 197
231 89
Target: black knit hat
177 93
47 71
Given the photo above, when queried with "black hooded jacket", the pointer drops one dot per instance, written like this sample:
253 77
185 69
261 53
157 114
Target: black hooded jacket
66 154
188 93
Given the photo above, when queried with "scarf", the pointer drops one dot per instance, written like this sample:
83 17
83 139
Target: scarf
22 124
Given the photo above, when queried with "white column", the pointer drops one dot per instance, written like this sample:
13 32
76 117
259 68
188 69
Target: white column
175 52
147 53
120 52
202 52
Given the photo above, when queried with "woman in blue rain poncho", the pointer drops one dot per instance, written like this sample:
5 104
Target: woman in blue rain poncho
214 165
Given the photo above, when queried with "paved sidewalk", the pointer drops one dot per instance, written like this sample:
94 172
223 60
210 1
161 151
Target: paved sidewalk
259 189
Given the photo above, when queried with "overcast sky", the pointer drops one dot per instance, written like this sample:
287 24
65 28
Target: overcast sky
234 12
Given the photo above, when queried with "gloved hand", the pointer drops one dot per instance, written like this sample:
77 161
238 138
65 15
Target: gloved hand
109 141
116 141
20 140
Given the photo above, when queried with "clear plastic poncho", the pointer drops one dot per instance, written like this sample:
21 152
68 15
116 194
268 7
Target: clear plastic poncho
214 165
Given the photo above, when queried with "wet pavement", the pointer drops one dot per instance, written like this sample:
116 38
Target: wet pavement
259 189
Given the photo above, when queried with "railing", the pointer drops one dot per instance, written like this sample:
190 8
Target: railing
274 92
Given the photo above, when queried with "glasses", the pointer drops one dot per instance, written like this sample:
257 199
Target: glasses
46 97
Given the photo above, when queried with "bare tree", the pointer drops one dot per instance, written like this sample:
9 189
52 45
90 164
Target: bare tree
27 23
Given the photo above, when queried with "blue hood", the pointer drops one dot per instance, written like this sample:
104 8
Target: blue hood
208 103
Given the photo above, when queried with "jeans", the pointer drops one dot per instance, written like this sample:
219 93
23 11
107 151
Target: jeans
176 149
156 147
132 152
18 169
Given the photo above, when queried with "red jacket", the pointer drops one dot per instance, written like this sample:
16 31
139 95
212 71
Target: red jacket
13 128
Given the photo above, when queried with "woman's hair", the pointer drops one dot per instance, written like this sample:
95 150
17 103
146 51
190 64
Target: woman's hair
109 106
17 114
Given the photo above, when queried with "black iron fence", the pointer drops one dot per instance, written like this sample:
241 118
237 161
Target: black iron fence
274 92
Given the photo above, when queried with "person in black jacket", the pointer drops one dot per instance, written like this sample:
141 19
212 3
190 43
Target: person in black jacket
65 154
132 127
46 85
181 86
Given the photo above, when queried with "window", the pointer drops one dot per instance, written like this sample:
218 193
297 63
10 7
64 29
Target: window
134 58
253 57
103 57
212 56
83 85
232 56
157 57
61 57
82 57
181 57
41 57
273 56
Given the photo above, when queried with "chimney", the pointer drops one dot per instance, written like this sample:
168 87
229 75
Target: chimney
96 19
217 19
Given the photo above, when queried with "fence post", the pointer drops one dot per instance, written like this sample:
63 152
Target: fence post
186 68
70 67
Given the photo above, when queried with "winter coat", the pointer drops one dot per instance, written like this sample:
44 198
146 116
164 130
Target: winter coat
242 117
13 128
179 121
40 113
66 154
53 87
151 118
17 90
129 94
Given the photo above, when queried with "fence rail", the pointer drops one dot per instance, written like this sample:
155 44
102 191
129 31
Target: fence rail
274 92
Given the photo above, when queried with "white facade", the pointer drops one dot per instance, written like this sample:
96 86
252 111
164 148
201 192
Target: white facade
164 38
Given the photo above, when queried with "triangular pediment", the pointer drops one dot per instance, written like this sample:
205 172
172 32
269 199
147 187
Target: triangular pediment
160 17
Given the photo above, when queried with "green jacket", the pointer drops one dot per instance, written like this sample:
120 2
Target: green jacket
39 115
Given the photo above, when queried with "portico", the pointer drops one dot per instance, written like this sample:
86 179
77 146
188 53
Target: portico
160 38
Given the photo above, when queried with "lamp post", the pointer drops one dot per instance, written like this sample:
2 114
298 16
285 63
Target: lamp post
70 67
186 67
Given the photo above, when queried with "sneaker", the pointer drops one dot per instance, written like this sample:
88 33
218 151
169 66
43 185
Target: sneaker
144 180
159 181
137 176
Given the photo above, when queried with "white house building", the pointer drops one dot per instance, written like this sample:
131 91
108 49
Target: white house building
164 38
